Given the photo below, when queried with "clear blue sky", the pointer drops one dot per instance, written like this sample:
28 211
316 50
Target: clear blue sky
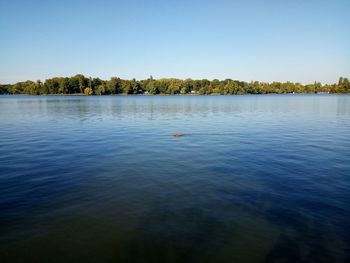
296 40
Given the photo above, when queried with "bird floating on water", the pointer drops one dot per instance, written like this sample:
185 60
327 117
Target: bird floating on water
178 134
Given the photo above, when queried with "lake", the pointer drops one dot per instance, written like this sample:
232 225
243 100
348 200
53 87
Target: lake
255 178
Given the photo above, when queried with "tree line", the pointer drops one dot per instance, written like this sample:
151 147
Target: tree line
79 84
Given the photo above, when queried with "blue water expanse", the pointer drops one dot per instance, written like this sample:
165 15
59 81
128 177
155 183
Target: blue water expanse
262 178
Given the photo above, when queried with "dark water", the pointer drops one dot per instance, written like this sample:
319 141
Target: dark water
102 179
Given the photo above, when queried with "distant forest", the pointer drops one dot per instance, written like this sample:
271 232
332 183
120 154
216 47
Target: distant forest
80 84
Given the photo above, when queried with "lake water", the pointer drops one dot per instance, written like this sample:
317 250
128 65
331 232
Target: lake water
261 178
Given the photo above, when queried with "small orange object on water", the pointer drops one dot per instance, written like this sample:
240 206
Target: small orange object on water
178 135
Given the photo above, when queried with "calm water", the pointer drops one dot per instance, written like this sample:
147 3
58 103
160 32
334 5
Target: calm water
102 179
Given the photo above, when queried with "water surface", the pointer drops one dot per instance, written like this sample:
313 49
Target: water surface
101 179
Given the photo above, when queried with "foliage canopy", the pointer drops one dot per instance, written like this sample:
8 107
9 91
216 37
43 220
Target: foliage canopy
80 84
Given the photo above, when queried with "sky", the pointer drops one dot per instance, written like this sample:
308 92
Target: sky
272 40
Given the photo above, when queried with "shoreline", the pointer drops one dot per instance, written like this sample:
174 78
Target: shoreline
169 95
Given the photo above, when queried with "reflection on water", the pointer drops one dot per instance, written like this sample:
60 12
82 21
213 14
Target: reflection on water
102 179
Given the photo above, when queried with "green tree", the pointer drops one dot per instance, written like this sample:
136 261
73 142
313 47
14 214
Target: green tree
135 86
82 83
100 90
151 87
63 85
88 91
114 86
126 87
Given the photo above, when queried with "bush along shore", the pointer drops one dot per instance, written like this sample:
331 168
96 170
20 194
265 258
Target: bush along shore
81 85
